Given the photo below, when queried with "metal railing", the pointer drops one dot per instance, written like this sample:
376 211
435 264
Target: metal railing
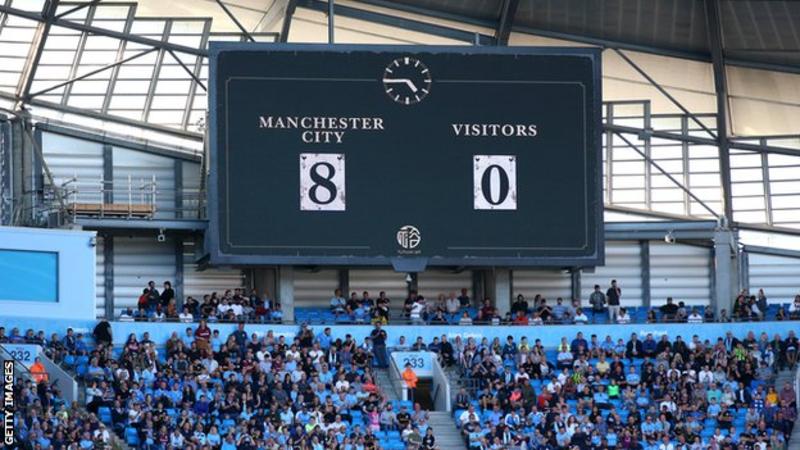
128 198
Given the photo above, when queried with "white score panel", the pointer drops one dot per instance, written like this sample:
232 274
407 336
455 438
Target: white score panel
322 186
495 181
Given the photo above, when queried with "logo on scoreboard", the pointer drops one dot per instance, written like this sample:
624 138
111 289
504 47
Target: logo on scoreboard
409 237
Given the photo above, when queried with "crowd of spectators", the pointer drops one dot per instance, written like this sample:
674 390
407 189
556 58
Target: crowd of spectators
201 390
234 305
604 306
654 393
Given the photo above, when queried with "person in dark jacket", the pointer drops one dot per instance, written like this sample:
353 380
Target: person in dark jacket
102 332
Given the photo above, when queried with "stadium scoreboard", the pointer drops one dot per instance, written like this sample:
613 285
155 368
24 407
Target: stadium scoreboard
430 156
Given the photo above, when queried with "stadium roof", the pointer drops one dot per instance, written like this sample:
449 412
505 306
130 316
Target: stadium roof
754 32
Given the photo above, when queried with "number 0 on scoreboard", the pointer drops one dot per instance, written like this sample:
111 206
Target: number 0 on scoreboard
495 181
322 186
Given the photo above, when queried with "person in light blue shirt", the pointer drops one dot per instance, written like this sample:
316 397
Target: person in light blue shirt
632 378
650 428
338 302
601 397
229 443
713 408
325 339
216 342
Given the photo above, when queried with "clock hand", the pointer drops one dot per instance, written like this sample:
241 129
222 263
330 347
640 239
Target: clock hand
405 81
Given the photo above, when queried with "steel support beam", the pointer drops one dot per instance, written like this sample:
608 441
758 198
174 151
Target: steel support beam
331 15
188 71
291 7
108 274
700 140
714 27
285 294
344 282
93 72
37 47
108 174
664 91
179 272
236 21
77 8
724 273
66 23
644 254
506 22
399 22
667 174
574 283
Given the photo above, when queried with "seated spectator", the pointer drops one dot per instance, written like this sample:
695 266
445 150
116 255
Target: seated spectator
185 316
794 308
623 317
669 310
560 311
126 315
465 319
580 317
695 317
338 304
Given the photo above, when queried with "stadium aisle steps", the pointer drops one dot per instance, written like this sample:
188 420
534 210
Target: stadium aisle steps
385 383
784 376
444 428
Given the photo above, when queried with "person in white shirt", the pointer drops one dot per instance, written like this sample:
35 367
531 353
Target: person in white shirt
176 439
416 310
236 308
452 304
623 317
666 444
580 317
185 316
126 315
468 416
465 319
705 376
695 317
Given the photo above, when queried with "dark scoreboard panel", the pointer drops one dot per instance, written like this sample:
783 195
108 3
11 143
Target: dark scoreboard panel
468 156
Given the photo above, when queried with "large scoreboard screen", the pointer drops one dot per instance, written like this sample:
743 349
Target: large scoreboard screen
378 155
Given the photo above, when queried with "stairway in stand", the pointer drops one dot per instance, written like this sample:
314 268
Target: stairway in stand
383 380
783 377
444 428
448 437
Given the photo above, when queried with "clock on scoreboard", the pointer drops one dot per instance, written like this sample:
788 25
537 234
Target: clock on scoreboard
378 155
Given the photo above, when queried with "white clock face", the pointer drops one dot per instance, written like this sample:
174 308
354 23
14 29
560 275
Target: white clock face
407 80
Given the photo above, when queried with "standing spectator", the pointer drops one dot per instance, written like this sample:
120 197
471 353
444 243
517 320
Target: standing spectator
153 297
464 299
762 301
378 336
410 378
167 294
202 337
452 305
102 332
417 310
613 296
38 371
597 300
519 305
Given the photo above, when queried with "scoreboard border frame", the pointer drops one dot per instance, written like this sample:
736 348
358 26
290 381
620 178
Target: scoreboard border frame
212 238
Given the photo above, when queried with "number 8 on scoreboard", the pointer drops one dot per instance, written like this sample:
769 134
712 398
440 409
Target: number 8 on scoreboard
322 185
